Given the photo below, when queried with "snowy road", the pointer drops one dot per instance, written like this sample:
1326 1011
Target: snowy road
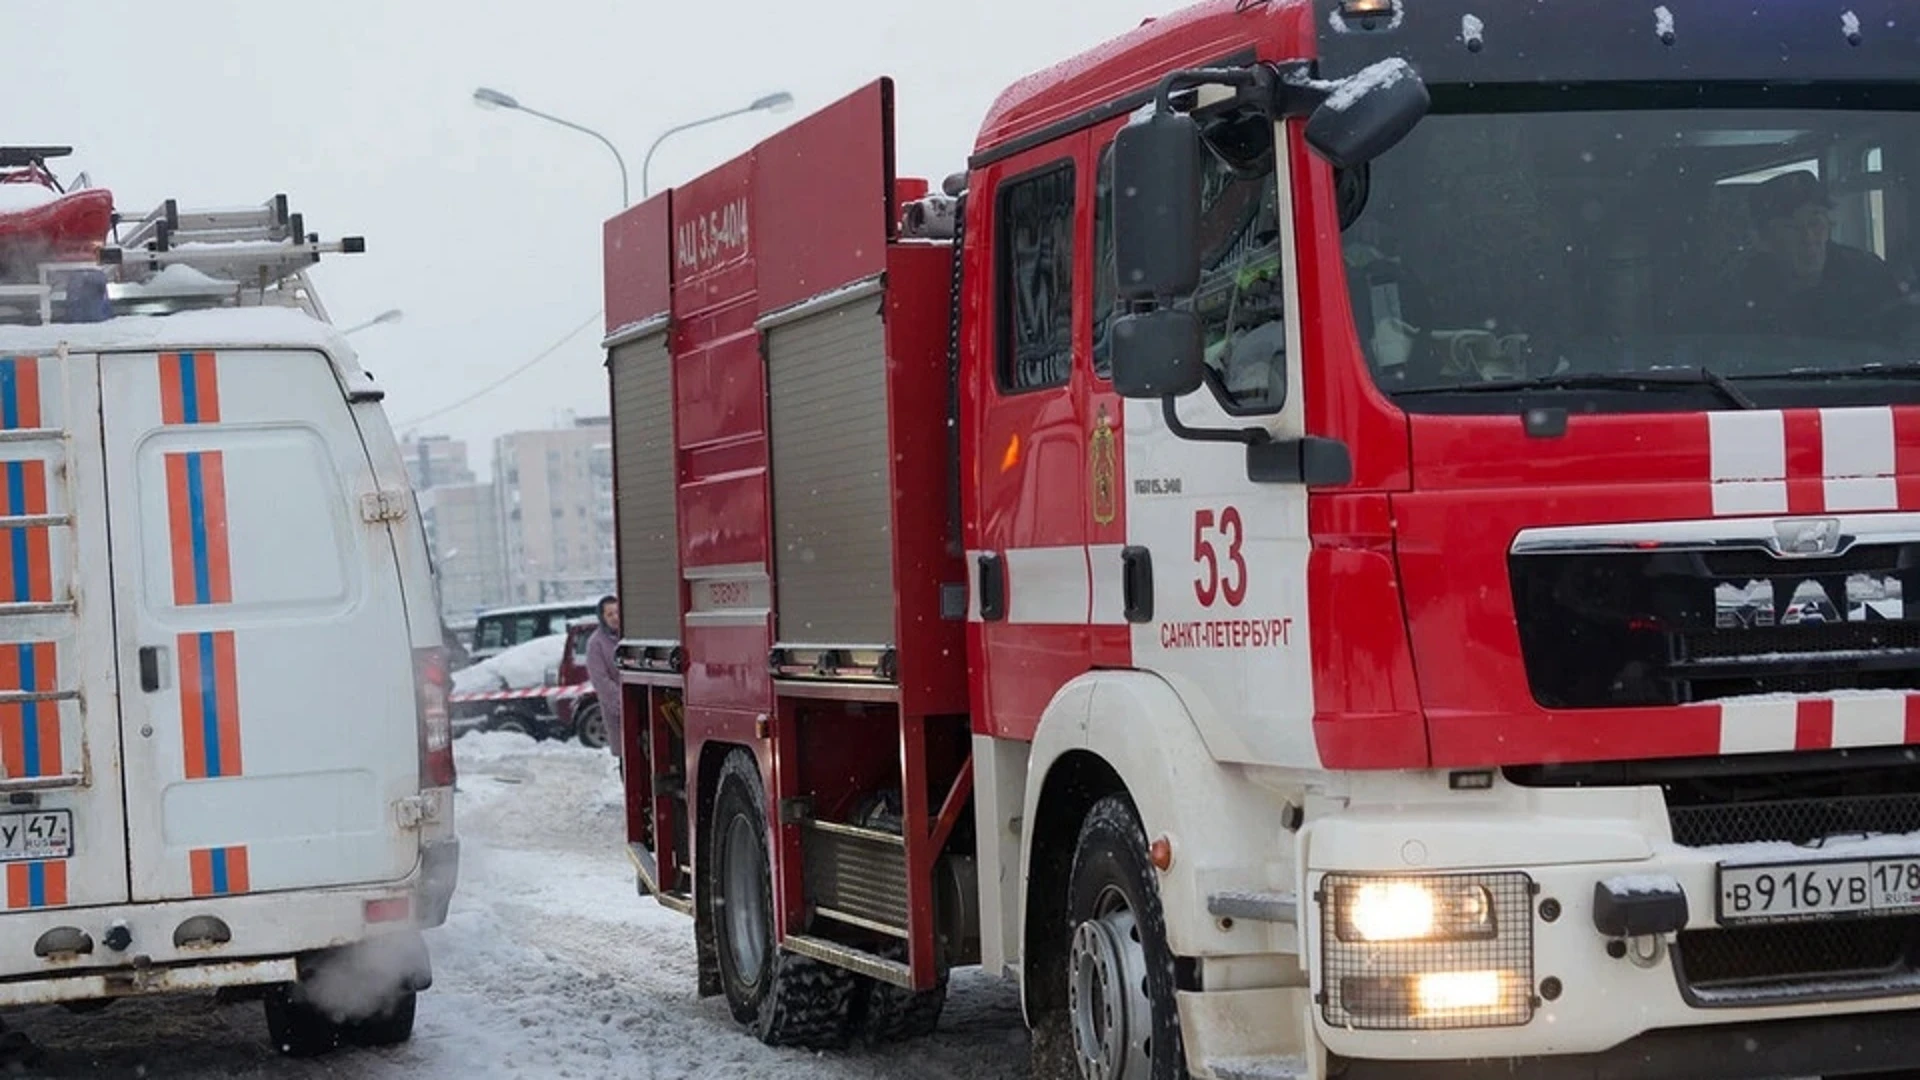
549 966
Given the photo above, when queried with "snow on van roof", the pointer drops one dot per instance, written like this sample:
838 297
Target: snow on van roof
232 328
187 329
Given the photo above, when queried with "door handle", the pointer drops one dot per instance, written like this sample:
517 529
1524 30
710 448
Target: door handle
1136 584
151 657
993 587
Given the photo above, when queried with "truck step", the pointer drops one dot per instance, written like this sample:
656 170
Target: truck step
855 960
1274 907
647 868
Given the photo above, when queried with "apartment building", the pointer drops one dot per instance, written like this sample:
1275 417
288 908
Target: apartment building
554 496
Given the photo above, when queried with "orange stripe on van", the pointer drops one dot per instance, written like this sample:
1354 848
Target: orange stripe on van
180 529
30 731
226 711
36 885
13 743
197 528
221 871
189 388
19 392
209 704
213 527
26 553
192 707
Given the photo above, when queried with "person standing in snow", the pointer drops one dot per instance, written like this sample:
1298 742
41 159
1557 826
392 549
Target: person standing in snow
603 674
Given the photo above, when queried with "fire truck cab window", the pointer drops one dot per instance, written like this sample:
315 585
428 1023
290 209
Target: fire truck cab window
1570 253
1035 271
1241 299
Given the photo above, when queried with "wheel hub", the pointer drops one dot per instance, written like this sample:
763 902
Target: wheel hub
742 914
1112 1016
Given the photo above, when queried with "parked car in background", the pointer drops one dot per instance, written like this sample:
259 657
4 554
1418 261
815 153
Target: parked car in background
502 628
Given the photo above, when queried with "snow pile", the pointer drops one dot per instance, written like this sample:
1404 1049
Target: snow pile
523 667
25 197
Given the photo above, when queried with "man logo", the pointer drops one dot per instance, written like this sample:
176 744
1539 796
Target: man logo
1804 537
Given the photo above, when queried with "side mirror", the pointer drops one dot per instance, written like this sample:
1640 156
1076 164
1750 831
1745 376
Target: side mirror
1368 113
1156 207
1159 353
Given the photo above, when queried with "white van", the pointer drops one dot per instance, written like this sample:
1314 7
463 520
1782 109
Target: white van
225 757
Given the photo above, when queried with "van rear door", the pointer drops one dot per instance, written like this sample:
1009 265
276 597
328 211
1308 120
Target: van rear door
277 742
62 832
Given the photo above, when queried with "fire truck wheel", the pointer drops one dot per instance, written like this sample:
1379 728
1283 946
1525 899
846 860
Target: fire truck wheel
1120 1003
785 1000
887 1013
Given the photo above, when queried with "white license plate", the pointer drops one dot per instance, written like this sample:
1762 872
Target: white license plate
1786 892
36 834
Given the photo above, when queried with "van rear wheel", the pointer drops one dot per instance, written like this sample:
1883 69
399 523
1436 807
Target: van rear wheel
389 1028
785 1000
299 1030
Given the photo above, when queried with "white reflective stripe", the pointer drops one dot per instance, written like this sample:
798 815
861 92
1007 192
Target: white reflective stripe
1047 585
1747 453
1735 497
1857 455
1756 727
1109 584
1869 720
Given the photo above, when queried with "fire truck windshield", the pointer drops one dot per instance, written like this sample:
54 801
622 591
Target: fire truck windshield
1564 253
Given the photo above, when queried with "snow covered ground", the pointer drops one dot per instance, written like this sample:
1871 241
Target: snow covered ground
549 966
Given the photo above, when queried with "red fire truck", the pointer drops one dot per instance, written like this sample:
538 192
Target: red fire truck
1357 538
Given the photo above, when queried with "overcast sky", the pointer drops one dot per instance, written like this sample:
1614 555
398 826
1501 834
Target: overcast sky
484 226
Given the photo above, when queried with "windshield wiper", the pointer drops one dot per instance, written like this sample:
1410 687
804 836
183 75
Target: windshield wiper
1906 369
1681 378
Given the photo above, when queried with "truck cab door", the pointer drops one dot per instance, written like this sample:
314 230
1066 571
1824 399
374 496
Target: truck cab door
1030 587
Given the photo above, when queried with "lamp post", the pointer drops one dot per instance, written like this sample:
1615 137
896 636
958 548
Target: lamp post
774 102
387 316
493 99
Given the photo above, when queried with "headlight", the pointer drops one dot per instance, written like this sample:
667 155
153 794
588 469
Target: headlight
1412 910
1426 952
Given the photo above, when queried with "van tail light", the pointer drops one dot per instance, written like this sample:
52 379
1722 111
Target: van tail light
435 683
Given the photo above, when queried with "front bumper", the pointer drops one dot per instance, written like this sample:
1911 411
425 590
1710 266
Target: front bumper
1595 1004
1818 1046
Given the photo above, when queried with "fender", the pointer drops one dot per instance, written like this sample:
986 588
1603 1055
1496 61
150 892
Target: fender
1223 825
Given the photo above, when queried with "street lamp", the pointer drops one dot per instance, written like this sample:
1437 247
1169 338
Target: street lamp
775 102
493 99
387 316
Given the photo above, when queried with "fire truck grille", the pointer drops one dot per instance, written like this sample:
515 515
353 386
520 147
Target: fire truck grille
1750 965
1622 629
1794 821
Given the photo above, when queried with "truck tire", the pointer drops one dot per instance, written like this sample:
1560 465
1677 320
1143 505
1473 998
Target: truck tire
1121 1017
887 1013
785 1000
